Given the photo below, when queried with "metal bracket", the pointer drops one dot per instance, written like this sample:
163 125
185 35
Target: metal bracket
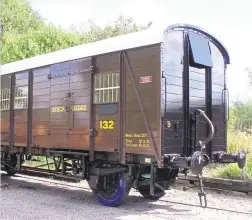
152 180
92 132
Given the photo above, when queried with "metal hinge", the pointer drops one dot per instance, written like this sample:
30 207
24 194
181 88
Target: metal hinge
92 132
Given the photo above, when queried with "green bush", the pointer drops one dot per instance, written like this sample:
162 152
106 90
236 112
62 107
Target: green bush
232 171
236 141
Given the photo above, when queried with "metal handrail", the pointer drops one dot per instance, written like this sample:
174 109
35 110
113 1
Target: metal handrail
211 134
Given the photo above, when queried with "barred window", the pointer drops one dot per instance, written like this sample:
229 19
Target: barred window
21 97
5 99
107 88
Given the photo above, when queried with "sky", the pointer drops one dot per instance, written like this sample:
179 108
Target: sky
229 21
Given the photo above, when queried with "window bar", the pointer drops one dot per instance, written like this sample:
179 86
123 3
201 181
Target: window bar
103 86
112 75
116 88
99 93
94 94
7 97
108 88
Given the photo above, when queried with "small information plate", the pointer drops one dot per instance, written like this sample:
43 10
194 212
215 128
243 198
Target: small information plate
145 79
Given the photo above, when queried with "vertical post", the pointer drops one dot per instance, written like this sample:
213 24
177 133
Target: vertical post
225 103
63 165
152 180
91 114
83 163
29 111
121 109
12 99
186 96
18 162
208 94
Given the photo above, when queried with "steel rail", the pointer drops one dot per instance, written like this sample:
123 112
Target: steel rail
209 183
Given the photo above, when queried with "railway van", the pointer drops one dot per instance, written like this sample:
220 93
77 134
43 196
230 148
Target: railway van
132 111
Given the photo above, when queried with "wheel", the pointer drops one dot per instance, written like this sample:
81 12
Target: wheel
11 164
117 189
145 192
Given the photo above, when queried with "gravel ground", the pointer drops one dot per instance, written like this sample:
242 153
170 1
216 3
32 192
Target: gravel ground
29 197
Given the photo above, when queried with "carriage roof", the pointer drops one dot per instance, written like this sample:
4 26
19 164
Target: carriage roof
123 42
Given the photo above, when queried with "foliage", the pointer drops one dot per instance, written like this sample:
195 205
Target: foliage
17 16
43 163
241 116
25 33
232 171
237 140
239 137
119 27
36 42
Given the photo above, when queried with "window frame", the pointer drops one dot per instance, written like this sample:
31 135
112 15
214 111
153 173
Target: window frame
20 98
5 99
103 88
200 55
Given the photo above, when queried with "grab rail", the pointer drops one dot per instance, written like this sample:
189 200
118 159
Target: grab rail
211 134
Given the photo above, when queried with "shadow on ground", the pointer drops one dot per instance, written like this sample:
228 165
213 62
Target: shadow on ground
82 196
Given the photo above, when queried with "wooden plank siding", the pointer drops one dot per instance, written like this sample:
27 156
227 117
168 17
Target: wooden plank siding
70 130
144 62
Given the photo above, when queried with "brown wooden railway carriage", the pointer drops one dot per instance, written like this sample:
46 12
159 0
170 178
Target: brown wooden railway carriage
128 111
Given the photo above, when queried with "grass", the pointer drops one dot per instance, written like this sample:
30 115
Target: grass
231 171
38 161
236 141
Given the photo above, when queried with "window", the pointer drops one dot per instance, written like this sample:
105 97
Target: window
200 55
21 97
107 88
5 99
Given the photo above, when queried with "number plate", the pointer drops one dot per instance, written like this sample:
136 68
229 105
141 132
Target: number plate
107 125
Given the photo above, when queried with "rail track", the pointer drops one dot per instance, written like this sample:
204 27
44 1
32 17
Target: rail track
188 182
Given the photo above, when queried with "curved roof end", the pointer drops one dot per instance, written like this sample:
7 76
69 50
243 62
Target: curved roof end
217 42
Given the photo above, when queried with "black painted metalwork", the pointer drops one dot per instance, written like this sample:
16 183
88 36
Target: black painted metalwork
217 42
209 105
200 51
186 96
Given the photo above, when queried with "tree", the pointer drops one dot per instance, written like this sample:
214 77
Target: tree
36 42
241 116
17 16
25 33
119 27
